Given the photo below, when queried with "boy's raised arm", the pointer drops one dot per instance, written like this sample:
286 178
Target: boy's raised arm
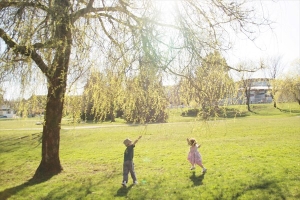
137 140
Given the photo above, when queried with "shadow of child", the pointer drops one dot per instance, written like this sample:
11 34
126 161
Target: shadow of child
197 180
123 191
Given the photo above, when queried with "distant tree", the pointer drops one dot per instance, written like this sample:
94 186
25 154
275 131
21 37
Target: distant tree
214 71
273 69
36 104
1 96
145 100
290 89
290 84
186 91
246 70
246 86
103 95
209 84
72 107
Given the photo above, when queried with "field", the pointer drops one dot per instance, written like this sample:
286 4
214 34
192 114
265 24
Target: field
251 157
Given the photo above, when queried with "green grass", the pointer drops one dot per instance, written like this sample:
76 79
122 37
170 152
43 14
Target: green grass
237 111
252 157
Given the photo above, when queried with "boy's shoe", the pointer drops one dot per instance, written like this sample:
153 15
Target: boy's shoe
135 183
124 183
192 168
204 170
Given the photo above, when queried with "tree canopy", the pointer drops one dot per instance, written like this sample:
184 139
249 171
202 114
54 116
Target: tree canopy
61 40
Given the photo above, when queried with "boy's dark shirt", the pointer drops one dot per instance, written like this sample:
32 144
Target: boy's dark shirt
128 154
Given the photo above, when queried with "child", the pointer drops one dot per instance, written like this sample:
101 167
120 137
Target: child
128 165
194 156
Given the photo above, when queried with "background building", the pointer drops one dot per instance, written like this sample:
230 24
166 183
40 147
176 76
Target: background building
6 112
259 90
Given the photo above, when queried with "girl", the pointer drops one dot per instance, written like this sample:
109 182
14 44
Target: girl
194 157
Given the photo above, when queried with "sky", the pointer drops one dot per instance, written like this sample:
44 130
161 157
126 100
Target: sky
283 40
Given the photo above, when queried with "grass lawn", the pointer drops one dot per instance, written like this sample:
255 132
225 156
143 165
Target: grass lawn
252 157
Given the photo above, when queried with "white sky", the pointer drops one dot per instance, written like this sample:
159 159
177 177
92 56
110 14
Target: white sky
283 40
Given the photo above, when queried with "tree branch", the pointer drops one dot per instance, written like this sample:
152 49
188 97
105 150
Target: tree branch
24 50
90 9
5 4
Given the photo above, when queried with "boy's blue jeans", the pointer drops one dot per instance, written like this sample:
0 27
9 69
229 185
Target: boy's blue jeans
128 166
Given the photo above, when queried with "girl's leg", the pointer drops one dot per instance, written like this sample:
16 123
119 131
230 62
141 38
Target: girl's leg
192 161
201 165
192 165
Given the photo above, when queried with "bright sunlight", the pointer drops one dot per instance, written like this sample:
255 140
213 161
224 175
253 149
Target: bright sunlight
166 10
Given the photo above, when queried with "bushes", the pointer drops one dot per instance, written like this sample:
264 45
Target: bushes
190 113
221 112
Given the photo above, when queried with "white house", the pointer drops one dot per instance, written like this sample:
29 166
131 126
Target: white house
6 112
260 90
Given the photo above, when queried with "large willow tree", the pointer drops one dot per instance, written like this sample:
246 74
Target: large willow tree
58 39
209 85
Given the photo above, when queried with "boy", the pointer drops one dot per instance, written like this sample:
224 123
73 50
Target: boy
128 165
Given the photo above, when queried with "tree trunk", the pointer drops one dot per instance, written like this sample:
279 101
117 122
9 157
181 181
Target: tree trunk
248 106
247 92
112 114
274 102
50 163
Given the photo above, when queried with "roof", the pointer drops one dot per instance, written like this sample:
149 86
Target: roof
259 88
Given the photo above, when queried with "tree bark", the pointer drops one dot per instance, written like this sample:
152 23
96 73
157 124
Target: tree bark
274 101
248 99
50 163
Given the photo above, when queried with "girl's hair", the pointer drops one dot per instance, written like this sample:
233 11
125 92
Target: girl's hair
192 142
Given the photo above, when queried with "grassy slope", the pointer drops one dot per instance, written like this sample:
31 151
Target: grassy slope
254 156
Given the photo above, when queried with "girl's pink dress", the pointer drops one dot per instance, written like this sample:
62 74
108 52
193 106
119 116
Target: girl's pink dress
194 156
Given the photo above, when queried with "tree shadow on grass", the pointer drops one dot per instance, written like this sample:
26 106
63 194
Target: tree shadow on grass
231 113
263 186
288 111
197 180
123 191
7 193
